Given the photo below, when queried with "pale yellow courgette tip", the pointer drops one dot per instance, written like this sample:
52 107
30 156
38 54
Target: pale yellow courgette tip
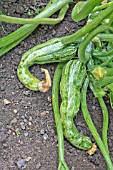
93 149
46 84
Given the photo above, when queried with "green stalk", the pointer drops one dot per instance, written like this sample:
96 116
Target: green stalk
108 62
105 122
7 48
55 90
103 54
89 27
86 41
92 127
104 81
27 29
105 37
50 21
101 7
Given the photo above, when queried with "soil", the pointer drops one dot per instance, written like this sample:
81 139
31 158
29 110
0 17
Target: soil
27 129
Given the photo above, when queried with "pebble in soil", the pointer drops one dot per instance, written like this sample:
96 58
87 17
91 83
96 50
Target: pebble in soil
21 164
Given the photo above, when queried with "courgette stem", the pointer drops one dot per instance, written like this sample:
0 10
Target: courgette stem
103 54
100 7
55 103
105 122
89 27
104 81
86 41
105 37
92 127
28 28
7 48
108 62
15 20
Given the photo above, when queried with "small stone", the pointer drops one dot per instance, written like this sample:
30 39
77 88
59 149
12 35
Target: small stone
43 113
12 77
5 145
26 93
20 52
42 132
93 107
49 99
23 127
2 87
38 166
13 133
3 137
1 65
50 105
6 102
22 116
21 142
21 86
53 32
73 168
21 164
19 10
29 123
28 159
26 134
25 120
30 118
13 93
45 136
14 120
9 132
15 111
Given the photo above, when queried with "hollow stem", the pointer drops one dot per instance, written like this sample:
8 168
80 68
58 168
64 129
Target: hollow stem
86 41
105 37
101 7
15 20
28 28
55 90
105 121
92 127
88 27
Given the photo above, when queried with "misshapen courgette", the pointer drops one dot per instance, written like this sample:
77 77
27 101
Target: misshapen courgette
49 52
73 75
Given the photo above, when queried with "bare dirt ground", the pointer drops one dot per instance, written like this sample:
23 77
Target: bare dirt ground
27 129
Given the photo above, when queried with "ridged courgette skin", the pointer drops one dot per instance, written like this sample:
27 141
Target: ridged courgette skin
49 52
73 76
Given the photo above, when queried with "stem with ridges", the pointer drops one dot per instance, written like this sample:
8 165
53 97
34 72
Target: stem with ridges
105 121
91 126
15 20
89 27
55 90
26 29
